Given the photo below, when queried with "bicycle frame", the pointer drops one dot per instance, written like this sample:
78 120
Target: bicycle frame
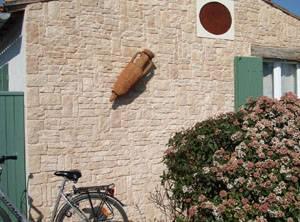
60 195
21 218
68 198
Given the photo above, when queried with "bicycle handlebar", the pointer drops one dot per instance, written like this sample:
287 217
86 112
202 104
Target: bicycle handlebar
3 158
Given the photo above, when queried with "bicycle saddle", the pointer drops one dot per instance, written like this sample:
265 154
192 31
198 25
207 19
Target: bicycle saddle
73 175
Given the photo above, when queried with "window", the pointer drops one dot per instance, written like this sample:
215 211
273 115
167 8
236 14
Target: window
255 76
280 77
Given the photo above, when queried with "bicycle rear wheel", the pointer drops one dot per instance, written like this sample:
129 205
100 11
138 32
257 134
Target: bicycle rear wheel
97 208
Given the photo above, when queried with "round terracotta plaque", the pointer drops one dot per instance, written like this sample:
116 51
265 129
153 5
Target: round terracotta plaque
215 18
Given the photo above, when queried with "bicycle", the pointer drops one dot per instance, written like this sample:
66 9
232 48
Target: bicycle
82 204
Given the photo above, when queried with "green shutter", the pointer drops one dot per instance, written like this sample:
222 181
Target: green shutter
248 81
12 142
4 78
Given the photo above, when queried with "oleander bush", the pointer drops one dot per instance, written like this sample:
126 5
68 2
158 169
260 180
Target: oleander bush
242 166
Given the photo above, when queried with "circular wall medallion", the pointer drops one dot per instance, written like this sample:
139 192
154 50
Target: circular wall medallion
215 18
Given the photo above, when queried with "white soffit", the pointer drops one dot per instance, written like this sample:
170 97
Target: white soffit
215 19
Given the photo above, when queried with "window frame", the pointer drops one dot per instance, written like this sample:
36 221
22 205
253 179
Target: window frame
277 76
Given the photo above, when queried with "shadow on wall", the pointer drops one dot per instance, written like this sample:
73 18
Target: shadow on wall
134 92
11 37
34 211
11 51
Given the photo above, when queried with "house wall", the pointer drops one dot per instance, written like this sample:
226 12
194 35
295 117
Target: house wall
75 50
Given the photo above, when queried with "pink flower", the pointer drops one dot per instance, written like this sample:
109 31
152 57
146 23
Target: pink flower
250 165
188 200
240 162
266 184
231 202
223 193
206 205
256 206
192 211
264 207
271 198
283 151
247 207
202 198
221 208
261 155
256 175
279 214
260 219
245 201
294 179
169 151
270 153
273 178
241 180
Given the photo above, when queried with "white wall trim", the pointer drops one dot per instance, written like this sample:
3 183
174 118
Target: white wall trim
298 80
277 80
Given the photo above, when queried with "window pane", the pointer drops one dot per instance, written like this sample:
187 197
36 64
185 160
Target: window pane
268 79
288 78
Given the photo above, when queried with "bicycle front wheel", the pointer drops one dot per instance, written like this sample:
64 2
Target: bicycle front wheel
94 207
4 216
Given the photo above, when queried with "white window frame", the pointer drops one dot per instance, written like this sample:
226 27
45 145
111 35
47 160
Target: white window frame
277 77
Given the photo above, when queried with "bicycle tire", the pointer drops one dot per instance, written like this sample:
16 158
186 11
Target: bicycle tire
66 213
4 216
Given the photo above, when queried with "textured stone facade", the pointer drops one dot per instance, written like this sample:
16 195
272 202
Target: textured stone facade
74 52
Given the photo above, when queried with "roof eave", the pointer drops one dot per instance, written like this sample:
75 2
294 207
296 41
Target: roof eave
18 5
281 8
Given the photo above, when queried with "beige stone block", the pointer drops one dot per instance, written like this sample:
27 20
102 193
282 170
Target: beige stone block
53 10
52 123
34 164
36 149
116 119
67 105
33 97
32 33
34 129
87 112
36 80
50 99
35 113
36 193
91 3
116 46
35 50
32 65
53 113
67 135
37 178
87 84
50 136
49 163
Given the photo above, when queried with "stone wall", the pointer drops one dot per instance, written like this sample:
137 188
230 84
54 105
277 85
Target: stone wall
75 50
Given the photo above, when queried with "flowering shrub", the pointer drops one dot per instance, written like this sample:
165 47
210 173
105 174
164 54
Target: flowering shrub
242 166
